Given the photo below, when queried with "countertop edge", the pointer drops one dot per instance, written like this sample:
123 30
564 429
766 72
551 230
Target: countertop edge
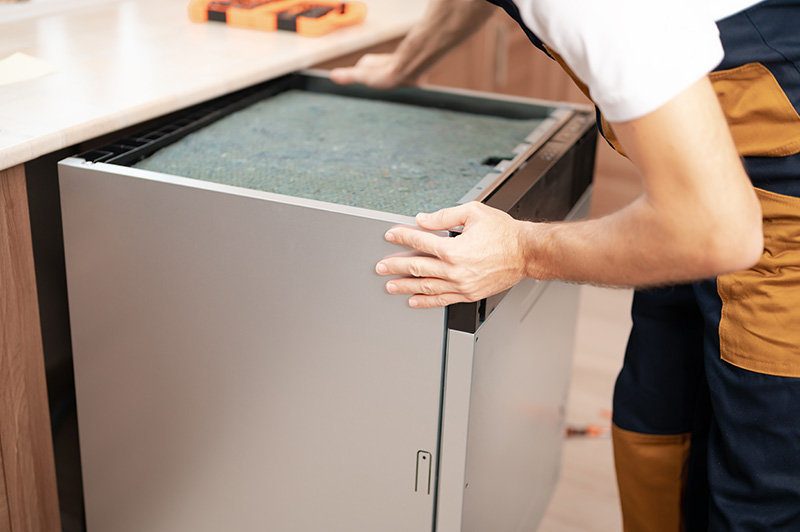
18 147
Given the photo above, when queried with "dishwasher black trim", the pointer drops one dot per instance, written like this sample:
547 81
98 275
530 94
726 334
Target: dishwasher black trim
544 189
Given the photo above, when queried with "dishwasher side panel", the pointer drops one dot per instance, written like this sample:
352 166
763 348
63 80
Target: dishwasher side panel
239 365
520 378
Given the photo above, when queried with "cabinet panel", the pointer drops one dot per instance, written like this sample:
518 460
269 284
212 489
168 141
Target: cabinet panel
25 441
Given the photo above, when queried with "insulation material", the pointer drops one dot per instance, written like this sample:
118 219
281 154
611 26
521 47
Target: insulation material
390 157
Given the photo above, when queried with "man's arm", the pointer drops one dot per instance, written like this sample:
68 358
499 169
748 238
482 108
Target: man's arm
697 217
446 23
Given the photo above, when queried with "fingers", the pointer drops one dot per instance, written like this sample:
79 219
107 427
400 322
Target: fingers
424 276
426 286
426 279
343 76
412 266
441 300
446 218
420 240
433 291
452 269
373 70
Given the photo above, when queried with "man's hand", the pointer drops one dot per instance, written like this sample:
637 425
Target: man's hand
445 24
379 71
486 258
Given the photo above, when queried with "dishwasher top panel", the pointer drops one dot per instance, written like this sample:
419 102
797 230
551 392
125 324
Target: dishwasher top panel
402 151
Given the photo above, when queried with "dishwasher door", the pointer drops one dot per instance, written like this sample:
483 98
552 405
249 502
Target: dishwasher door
238 363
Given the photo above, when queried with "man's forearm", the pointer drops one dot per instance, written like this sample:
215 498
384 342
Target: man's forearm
632 247
698 216
446 23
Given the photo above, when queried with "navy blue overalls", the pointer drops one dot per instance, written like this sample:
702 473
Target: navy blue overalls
707 404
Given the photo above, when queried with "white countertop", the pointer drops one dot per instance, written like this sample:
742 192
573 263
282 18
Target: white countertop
120 62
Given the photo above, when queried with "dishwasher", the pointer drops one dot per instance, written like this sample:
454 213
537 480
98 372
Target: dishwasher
238 362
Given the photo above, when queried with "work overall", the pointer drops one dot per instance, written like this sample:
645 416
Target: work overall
707 405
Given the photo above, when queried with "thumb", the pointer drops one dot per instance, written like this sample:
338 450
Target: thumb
444 218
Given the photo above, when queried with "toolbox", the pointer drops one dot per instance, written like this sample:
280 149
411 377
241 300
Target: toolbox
309 18
238 362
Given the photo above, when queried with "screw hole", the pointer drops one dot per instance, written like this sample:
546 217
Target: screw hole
492 161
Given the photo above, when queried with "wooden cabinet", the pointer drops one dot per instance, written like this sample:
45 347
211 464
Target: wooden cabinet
500 58
28 498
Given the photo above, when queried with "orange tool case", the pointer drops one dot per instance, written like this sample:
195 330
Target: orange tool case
310 18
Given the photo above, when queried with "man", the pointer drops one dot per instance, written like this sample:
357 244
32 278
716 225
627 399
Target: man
706 416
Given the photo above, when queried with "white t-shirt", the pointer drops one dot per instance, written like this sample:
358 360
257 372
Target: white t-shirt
634 55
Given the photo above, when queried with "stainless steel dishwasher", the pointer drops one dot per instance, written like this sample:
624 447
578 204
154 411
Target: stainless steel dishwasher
239 365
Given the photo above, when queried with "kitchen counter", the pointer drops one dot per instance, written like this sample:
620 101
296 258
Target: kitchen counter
119 63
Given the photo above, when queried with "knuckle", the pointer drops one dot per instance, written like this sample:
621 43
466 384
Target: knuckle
473 207
441 301
402 237
469 289
447 255
413 239
427 287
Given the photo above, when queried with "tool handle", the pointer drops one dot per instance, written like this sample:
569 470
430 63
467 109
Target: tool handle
198 10
352 13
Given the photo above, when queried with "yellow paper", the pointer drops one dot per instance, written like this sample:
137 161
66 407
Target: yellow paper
22 67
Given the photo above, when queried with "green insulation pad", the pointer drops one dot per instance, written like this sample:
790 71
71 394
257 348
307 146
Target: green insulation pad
390 157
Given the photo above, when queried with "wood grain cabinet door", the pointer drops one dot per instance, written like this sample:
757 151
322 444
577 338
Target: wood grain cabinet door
28 497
